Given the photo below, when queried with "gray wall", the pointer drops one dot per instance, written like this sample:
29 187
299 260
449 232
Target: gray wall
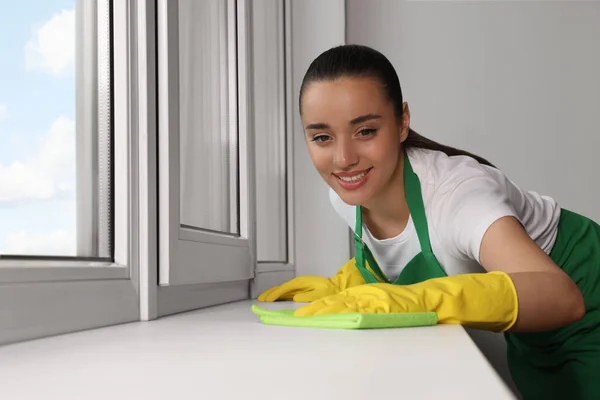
515 82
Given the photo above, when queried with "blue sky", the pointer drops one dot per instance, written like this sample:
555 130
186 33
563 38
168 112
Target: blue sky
37 104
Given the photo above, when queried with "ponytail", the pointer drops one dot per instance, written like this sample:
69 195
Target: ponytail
415 140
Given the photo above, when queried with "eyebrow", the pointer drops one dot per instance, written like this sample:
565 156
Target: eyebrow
357 120
364 118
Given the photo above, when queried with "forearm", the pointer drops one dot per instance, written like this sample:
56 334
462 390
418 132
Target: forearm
547 301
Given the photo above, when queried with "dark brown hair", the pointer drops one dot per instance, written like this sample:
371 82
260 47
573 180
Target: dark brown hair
363 61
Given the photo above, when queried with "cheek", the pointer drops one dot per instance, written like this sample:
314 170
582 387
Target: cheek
388 153
320 157
383 151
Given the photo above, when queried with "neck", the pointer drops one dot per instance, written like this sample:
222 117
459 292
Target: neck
389 207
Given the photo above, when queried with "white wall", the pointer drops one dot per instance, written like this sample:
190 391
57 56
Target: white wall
321 237
515 82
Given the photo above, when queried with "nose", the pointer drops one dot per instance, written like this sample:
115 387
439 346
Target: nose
345 154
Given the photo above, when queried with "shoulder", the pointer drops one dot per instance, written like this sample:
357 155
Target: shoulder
462 198
442 172
445 178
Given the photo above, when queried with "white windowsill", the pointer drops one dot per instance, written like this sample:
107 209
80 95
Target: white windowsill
224 352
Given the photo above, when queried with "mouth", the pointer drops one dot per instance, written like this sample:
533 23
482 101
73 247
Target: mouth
352 180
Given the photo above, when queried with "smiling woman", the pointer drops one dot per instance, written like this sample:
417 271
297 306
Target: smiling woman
446 231
353 137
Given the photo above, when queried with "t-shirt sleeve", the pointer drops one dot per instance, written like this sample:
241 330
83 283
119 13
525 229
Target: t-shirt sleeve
466 204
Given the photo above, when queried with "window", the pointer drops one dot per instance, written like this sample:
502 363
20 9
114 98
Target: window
68 230
206 177
55 141
223 153
122 142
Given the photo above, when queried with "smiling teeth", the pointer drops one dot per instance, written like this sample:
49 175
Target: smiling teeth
352 178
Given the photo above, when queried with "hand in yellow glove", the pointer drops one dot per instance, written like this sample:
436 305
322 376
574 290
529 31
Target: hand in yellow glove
304 289
484 301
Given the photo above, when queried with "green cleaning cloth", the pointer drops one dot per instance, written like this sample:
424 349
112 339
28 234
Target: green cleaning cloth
345 320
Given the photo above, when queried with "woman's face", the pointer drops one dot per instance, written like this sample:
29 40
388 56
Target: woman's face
353 136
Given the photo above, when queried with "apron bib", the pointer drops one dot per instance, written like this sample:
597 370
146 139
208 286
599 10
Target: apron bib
421 267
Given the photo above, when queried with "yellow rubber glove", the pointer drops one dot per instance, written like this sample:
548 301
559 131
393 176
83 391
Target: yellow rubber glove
304 289
485 301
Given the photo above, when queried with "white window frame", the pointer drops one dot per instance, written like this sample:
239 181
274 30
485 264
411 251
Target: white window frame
93 238
269 103
41 297
147 134
269 274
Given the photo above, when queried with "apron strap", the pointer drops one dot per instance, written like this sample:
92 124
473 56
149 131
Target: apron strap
415 205
360 250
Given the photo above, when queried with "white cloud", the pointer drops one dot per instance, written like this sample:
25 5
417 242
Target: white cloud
3 111
52 45
56 150
57 243
47 172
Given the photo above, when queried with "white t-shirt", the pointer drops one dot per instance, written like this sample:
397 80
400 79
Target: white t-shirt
462 199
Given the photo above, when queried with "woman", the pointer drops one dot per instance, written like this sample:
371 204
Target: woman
449 233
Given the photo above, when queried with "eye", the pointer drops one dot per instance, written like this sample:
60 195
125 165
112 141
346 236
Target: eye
320 138
367 132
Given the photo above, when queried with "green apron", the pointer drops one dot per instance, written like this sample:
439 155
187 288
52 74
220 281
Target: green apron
563 364
421 267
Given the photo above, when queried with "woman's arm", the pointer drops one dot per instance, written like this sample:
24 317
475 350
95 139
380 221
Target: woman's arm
548 297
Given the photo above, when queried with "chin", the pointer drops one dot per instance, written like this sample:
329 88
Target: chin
353 198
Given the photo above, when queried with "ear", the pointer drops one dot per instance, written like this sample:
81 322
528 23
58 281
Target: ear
405 123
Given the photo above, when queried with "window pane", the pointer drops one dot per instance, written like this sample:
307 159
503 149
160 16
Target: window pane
208 121
55 163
